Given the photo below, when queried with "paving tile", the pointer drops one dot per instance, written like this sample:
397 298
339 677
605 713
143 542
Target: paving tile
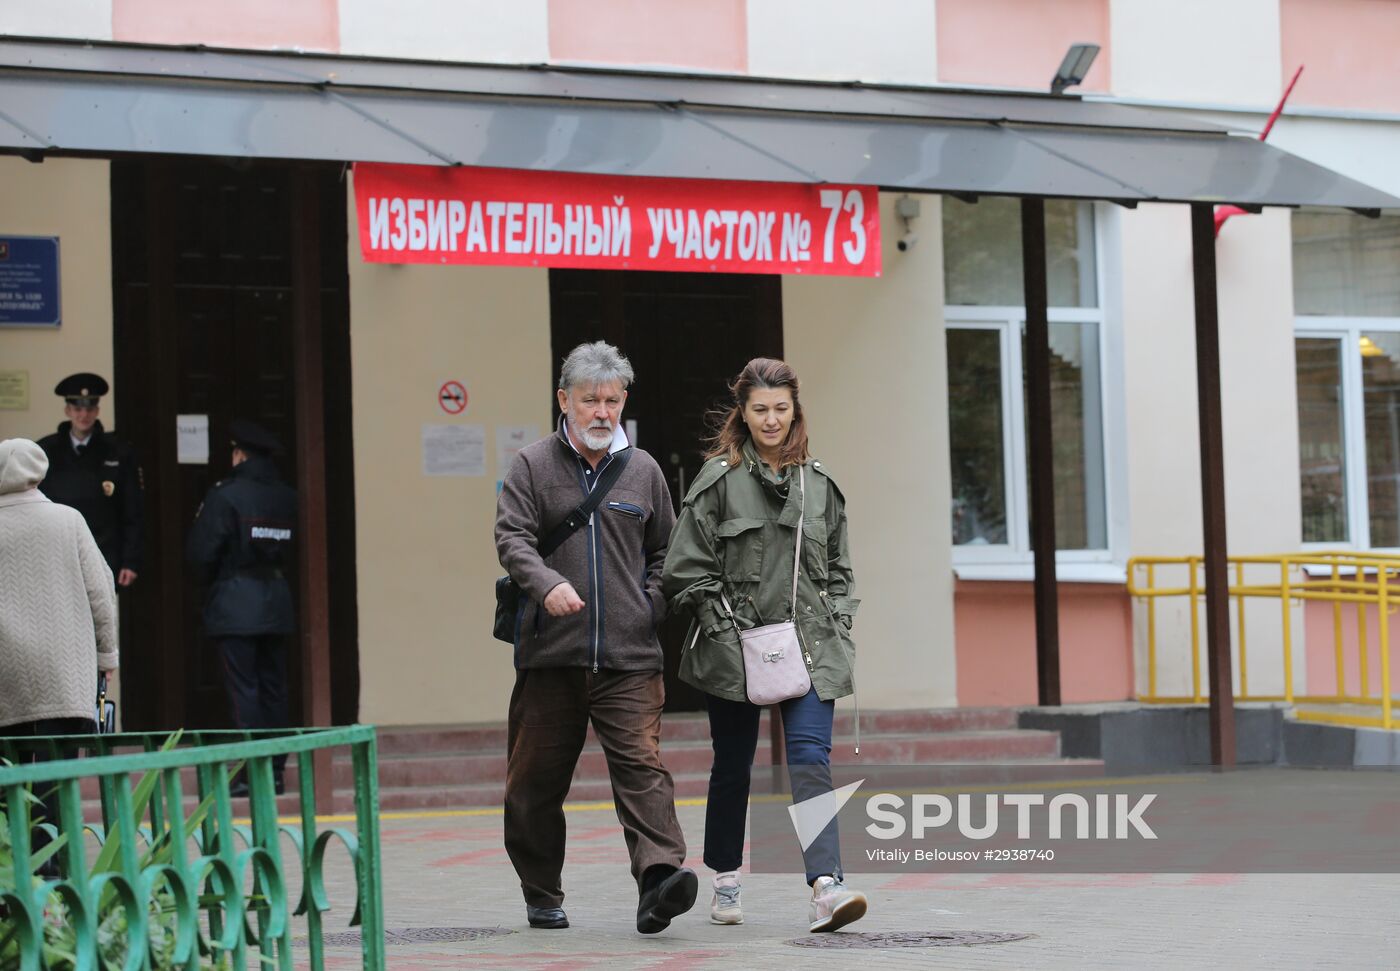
451 870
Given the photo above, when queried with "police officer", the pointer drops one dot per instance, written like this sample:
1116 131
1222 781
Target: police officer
97 475
242 540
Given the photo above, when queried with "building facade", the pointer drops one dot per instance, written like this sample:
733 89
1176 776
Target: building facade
913 381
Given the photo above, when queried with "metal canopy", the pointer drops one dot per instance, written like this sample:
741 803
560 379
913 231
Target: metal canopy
116 99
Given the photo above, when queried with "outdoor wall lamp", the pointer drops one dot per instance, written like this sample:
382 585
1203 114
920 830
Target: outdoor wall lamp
907 209
1078 59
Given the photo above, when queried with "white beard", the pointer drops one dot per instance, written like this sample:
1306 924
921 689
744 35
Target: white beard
597 439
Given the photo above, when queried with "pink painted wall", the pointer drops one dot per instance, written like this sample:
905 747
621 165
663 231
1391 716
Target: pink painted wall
1019 43
995 629
711 35
312 25
1322 654
1349 49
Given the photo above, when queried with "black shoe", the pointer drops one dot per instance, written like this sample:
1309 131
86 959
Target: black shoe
238 790
547 918
667 900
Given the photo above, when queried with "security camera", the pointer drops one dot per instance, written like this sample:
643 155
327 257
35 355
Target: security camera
907 209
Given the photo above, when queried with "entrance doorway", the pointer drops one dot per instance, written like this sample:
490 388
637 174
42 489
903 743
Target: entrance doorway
230 286
687 335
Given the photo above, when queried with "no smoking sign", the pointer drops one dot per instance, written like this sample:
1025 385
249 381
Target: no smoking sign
452 396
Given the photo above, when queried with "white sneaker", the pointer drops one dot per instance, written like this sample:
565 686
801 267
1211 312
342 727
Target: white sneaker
833 905
725 908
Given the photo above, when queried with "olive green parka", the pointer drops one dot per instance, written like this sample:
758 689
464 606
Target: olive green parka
736 535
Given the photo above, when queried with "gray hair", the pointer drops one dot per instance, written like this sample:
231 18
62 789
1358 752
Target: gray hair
594 364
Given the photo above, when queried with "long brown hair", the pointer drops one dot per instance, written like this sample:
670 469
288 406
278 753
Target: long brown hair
730 431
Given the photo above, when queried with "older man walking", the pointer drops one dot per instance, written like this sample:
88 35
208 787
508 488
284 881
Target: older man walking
585 642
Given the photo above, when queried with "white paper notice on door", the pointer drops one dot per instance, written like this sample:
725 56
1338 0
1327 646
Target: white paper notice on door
454 450
510 439
192 439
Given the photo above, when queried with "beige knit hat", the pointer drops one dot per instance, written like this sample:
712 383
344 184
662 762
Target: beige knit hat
23 465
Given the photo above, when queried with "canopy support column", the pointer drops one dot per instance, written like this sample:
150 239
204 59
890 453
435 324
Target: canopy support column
1042 471
1217 604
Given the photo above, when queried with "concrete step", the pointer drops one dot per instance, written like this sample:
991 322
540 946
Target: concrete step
688 726
460 766
695 785
423 740
189 782
288 804
492 794
681 758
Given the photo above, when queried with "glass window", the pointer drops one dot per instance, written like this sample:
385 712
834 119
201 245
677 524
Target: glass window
1076 421
1346 290
1380 382
1321 440
984 510
982 253
975 427
989 434
1346 265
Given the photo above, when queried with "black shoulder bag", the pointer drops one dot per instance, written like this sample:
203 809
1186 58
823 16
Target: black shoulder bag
508 591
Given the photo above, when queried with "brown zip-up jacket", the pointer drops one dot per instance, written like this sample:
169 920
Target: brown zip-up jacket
614 562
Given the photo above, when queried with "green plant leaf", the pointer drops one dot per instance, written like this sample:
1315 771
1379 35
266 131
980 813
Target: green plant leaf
39 857
140 798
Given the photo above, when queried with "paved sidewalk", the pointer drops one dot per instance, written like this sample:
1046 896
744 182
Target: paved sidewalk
450 871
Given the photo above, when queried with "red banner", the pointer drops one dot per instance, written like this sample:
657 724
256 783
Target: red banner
513 217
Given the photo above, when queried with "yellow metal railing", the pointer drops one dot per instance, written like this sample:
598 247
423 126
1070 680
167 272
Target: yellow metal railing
1371 581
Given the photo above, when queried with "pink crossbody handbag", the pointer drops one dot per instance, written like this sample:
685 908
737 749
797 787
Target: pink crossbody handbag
775 668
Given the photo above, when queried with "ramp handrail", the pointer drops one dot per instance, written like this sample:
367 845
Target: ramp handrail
1341 578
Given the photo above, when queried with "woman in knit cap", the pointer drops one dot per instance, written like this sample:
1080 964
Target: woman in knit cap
58 613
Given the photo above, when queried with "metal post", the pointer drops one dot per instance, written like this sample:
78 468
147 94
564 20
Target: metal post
1217 605
1042 470
311 469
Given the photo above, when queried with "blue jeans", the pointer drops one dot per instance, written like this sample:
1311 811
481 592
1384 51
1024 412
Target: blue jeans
734 735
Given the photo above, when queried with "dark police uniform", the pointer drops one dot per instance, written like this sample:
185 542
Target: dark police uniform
242 539
100 479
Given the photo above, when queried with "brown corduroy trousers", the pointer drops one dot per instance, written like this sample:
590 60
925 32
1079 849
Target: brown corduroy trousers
550 709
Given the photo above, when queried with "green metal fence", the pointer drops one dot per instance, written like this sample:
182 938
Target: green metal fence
158 888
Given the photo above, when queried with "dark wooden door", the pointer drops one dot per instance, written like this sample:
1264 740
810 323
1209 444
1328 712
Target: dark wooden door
687 335
205 284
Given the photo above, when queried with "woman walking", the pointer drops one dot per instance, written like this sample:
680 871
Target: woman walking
733 566
58 613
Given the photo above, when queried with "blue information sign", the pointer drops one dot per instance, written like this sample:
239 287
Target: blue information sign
29 281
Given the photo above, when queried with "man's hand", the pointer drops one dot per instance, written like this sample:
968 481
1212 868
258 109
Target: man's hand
562 601
111 680
125 577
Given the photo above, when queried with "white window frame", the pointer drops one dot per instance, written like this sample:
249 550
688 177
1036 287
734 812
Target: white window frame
1348 331
1014 559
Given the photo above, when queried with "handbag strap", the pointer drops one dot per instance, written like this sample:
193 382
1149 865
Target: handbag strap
796 554
579 516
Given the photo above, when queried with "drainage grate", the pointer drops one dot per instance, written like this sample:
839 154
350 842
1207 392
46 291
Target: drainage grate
416 935
906 939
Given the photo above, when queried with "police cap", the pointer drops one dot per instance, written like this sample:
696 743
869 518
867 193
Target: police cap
82 389
252 437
